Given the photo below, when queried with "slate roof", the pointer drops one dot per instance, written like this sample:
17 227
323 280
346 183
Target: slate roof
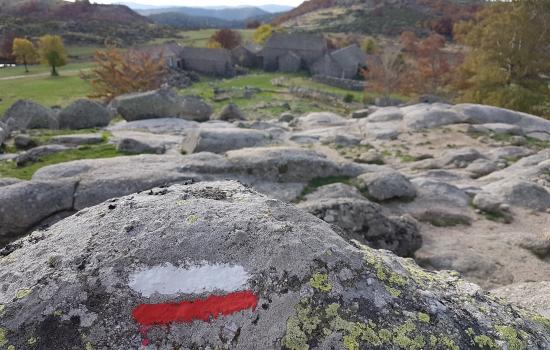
206 54
297 42
349 56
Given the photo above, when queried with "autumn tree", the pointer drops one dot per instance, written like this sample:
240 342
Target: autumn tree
52 52
386 72
25 53
116 73
263 33
507 63
6 47
430 62
227 38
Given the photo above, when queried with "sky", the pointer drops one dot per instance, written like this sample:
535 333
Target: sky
205 3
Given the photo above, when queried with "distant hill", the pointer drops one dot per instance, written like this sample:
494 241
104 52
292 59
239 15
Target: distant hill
220 17
78 22
228 14
390 17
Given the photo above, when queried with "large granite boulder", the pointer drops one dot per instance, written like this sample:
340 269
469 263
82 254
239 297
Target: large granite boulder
363 220
84 114
425 116
216 265
37 153
25 204
386 185
220 140
25 114
520 193
162 103
231 112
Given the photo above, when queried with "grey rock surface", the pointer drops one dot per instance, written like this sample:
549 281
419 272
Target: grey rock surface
321 120
520 193
6 181
162 103
25 114
386 185
35 154
231 112
530 295
84 114
78 284
224 139
24 204
171 126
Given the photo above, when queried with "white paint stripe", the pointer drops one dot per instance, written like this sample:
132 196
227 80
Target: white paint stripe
168 279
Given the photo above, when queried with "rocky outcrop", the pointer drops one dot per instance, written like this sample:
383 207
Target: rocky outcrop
386 185
25 204
25 114
363 220
84 114
162 103
221 140
231 112
35 154
78 139
260 273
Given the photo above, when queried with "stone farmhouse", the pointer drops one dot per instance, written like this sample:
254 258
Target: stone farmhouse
283 52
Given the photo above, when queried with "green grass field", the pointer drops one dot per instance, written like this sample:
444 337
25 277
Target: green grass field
72 68
46 90
199 38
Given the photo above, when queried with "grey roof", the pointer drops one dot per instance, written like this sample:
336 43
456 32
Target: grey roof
291 55
206 54
252 47
166 49
349 56
297 41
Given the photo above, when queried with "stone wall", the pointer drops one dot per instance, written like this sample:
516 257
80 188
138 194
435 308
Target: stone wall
348 84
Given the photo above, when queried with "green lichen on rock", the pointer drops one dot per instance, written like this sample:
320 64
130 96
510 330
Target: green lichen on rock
2 307
403 337
192 219
10 347
32 340
513 338
320 281
3 337
23 293
485 342
295 338
422 317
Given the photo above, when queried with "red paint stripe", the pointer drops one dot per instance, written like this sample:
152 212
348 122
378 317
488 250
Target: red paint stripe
199 309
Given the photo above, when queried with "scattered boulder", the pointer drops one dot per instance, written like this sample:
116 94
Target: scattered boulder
372 156
194 108
520 193
79 139
162 103
386 185
438 203
231 112
25 204
425 116
84 114
136 146
497 128
34 154
530 295
335 190
321 120
459 158
25 114
508 153
23 141
291 282
223 140
364 221
481 167
487 202
386 114
536 244
287 117
363 113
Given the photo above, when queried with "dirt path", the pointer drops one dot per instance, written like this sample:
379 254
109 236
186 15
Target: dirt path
45 74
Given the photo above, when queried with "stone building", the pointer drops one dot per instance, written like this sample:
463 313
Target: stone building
247 55
345 63
308 47
218 62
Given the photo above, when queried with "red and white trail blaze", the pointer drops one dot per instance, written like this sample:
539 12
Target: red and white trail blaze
225 287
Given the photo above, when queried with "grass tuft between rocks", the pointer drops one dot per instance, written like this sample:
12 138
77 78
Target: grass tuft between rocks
10 169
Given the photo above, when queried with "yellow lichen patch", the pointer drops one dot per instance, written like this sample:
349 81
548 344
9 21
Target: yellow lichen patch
320 281
514 339
3 337
89 346
2 307
23 293
11 347
32 340
422 317
192 219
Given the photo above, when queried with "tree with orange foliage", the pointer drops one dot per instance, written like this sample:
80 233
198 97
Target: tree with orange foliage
431 63
385 73
227 38
117 73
